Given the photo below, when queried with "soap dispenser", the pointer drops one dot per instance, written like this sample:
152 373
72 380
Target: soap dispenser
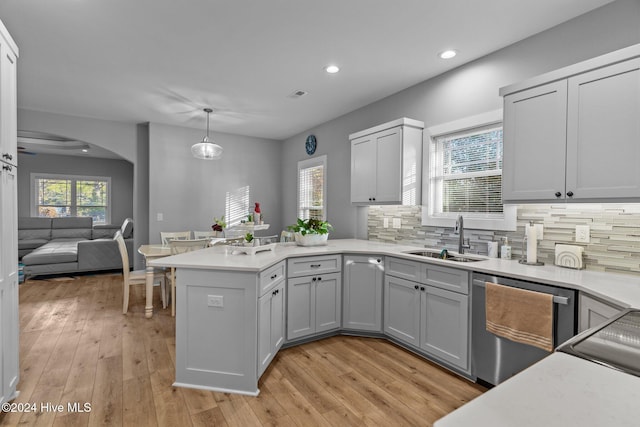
505 250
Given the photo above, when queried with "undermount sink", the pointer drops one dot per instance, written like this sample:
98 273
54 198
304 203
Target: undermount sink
443 255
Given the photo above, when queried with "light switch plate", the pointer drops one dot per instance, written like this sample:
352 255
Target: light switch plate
159 216
385 222
583 234
397 223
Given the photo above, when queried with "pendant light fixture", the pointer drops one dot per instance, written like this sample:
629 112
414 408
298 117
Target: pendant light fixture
207 149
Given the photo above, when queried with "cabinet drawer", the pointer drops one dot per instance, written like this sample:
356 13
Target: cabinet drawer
403 268
306 266
446 278
270 277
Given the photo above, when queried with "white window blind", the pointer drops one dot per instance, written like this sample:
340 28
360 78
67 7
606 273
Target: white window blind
312 188
237 205
466 172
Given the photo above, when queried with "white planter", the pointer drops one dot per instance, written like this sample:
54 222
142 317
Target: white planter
311 239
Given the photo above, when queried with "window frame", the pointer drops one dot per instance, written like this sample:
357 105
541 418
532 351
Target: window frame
505 222
36 176
310 163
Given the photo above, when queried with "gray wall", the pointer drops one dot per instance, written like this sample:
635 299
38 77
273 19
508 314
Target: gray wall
190 192
468 90
120 171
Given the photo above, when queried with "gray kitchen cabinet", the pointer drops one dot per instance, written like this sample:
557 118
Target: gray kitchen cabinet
386 163
572 134
431 314
271 321
593 312
534 133
444 330
314 295
362 292
402 310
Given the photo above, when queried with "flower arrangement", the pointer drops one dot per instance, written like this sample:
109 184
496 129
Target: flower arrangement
219 224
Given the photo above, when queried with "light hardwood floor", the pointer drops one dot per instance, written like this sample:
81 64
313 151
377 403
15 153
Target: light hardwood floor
76 346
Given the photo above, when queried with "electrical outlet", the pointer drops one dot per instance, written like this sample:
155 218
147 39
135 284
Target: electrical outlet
385 222
397 223
215 301
159 216
583 234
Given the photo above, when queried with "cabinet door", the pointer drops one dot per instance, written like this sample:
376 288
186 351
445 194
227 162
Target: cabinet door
8 105
603 133
270 326
534 135
363 169
594 312
300 307
363 277
389 166
9 326
328 312
277 317
265 353
402 310
444 331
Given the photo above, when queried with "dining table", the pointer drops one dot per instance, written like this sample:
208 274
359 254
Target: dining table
151 252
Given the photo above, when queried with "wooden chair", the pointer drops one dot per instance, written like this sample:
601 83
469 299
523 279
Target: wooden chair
179 247
137 277
165 236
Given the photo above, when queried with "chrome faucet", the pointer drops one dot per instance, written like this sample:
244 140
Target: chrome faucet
459 230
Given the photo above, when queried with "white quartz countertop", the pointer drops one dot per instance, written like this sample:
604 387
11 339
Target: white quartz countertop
619 289
560 390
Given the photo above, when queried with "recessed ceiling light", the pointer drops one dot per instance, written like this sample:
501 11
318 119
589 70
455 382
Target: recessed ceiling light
447 54
84 150
332 69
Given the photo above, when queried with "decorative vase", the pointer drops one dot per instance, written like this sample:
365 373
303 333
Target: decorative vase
311 239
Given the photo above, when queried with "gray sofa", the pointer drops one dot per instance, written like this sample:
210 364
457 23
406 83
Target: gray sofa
70 245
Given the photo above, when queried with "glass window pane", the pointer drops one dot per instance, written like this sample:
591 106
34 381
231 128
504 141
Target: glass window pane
91 193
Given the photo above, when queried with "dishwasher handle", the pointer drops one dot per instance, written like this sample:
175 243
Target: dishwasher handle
556 299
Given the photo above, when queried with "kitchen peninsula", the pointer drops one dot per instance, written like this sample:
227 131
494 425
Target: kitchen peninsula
218 294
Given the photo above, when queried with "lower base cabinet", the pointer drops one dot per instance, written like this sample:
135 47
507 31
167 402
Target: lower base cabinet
428 318
593 312
362 293
271 321
313 304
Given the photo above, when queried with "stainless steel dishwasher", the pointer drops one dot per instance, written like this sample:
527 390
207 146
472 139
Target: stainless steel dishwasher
495 359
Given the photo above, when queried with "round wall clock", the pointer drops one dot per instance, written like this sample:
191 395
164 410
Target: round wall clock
310 144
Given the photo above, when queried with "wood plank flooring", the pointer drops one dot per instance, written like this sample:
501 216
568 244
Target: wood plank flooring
76 346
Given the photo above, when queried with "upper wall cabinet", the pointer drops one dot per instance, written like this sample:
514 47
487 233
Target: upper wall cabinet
574 134
386 164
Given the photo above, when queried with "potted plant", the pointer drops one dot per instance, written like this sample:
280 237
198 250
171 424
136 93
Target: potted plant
310 232
248 239
218 226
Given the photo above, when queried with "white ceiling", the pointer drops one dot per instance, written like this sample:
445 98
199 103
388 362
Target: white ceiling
164 60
